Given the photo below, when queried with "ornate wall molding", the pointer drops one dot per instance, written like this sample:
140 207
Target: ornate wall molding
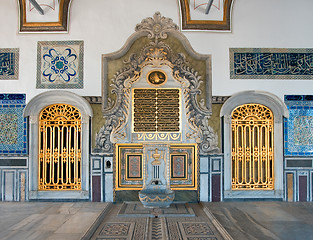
156 53
98 99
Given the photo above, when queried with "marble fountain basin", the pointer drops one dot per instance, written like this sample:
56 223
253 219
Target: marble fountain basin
156 198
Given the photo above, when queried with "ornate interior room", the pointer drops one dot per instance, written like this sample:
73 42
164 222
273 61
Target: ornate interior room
156 103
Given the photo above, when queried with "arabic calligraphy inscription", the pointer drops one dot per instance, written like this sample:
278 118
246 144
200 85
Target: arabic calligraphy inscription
9 63
261 63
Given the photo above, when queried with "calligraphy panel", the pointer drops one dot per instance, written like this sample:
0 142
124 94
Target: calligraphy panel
9 59
156 110
60 64
271 63
13 126
299 126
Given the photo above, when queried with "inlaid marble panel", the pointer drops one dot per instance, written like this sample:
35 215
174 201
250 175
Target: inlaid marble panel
129 162
128 171
134 166
179 166
184 167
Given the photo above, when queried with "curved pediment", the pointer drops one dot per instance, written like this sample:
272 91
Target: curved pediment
157 46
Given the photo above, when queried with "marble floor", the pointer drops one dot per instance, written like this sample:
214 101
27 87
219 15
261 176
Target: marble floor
225 220
265 220
47 220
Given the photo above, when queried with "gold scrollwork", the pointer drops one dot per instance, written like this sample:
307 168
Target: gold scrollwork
252 148
156 199
59 148
158 136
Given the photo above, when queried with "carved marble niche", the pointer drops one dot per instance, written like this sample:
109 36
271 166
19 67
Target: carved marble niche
157 59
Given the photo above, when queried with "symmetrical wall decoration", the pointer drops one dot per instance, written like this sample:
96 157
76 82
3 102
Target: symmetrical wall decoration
13 126
206 15
9 63
271 63
60 64
44 15
184 169
157 55
299 126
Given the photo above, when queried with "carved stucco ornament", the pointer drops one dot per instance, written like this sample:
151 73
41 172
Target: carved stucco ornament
156 54
157 26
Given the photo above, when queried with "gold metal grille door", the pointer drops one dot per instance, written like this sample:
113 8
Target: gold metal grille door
252 148
60 148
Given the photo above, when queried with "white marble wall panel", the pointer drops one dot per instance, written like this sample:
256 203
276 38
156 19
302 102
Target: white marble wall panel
204 187
9 192
108 191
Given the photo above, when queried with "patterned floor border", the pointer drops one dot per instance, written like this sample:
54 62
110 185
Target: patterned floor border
136 209
111 224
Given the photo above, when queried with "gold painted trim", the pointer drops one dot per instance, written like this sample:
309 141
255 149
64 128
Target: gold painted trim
186 166
195 170
118 179
188 23
153 84
156 199
60 25
195 175
127 173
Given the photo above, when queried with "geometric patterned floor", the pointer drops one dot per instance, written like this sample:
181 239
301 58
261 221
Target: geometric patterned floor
179 221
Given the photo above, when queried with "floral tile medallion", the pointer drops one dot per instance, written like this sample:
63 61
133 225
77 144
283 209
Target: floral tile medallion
60 64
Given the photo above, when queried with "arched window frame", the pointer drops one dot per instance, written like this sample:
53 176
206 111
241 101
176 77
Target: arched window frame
279 111
32 111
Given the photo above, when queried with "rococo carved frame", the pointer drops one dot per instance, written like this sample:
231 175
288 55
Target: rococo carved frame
157 52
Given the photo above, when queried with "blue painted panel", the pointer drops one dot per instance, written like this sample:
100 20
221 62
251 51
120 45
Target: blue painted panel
298 128
271 63
13 126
